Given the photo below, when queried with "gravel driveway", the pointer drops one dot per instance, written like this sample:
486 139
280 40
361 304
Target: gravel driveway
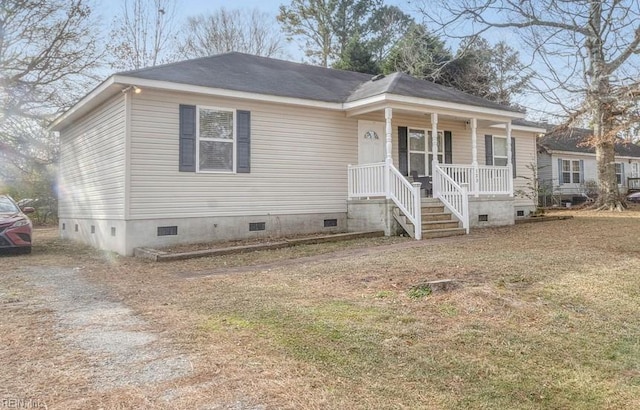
122 348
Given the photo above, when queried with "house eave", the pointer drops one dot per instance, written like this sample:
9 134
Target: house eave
586 154
425 105
117 83
97 96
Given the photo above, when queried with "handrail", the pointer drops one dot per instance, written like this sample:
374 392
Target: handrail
452 195
382 179
406 196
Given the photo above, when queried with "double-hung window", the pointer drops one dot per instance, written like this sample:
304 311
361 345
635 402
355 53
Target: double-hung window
420 151
216 140
570 171
618 173
499 151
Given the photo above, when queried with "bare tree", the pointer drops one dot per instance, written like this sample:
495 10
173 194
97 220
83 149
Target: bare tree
142 35
224 30
48 50
587 52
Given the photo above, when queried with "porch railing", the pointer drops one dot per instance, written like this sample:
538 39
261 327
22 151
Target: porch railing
453 195
492 180
366 180
381 179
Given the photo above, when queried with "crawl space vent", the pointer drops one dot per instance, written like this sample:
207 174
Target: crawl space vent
257 226
483 218
328 223
167 230
520 213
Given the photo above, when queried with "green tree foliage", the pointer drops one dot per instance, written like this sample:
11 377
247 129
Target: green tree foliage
492 72
327 27
420 54
357 57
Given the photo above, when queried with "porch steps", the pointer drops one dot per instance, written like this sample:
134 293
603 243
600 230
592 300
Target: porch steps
437 222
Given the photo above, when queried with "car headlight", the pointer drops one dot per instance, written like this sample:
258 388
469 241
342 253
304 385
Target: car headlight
20 222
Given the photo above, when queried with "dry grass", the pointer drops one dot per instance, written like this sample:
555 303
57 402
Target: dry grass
545 316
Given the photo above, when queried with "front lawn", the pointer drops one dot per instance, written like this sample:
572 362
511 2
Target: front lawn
544 315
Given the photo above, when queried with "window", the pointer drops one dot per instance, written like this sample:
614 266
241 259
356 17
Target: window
618 173
420 150
571 171
216 140
500 151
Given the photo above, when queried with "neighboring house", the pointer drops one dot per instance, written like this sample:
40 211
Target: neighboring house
567 165
237 146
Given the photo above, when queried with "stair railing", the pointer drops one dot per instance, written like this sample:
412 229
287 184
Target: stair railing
453 195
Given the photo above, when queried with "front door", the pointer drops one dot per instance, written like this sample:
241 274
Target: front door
371 142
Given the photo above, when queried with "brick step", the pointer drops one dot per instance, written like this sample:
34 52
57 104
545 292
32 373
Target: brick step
442 233
429 226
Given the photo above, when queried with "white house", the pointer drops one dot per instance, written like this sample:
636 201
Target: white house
567 164
237 146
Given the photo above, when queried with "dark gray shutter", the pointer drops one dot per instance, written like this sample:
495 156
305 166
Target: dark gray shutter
244 142
560 181
448 152
403 160
488 149
623 179
187 146
513 156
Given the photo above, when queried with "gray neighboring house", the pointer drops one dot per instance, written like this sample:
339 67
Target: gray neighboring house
237 146
567 166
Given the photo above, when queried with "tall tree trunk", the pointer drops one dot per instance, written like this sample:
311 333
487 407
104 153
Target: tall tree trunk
607 184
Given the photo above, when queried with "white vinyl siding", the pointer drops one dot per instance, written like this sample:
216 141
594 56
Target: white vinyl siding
299 159
92 164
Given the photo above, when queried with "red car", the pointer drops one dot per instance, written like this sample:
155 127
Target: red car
15 226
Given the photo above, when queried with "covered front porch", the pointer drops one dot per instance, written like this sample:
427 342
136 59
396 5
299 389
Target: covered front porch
427 166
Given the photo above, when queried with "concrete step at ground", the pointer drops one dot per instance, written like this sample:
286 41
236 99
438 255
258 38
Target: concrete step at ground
436 216
428 226
442 233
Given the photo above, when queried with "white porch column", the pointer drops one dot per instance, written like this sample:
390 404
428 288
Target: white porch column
434 143
509 164
388 162
434 154
388 114
474 157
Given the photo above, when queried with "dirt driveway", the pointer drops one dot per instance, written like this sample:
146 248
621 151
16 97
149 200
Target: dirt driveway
542 316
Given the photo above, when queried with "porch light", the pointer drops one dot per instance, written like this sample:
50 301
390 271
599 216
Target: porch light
135 88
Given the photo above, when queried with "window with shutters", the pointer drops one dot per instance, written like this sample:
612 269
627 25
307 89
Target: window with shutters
216 140
499 151
570 171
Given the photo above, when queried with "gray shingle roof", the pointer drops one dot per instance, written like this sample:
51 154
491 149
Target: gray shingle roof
262 75
404 84
573 140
